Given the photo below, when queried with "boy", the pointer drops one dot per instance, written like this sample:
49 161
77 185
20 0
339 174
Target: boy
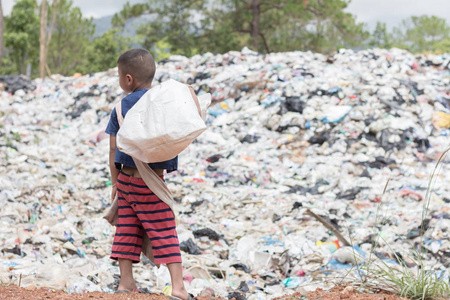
140 211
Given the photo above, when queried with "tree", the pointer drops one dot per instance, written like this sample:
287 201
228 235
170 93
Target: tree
380 37
176 23
22 35
149 34
330 28
105 50
160 50
284 25
190 26
443 46
1 34
128 11
45 37
248 22
421 33
219 38
71 38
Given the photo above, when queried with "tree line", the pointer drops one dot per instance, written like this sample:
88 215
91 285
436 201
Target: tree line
53 37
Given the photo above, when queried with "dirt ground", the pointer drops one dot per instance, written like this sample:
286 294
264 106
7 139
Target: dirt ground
16 293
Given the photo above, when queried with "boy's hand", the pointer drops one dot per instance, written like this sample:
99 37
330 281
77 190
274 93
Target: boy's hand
113 193
112 166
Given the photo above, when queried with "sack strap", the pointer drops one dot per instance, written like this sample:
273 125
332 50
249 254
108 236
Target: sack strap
194 96
151 179
119 112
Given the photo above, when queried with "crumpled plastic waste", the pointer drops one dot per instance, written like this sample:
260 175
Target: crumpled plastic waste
344 135
442 119
14 83
190 247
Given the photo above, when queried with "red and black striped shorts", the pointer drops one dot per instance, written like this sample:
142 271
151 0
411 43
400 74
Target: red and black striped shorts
142 211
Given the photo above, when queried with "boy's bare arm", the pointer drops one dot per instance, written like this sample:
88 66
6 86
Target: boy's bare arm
112 167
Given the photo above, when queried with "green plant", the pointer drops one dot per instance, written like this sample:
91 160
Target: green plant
17 137
37 140
404 282
424 283
8 142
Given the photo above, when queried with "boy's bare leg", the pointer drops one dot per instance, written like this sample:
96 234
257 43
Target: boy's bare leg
176 275
126 275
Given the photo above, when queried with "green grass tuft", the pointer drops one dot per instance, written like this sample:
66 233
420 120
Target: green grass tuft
421 284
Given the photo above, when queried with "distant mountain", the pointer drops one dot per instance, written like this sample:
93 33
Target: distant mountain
103 24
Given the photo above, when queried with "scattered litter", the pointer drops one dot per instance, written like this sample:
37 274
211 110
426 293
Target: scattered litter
301 152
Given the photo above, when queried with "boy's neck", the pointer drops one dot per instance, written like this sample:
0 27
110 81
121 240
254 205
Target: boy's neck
140 86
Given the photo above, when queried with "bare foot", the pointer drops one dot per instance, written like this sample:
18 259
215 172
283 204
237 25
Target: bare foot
128 288
182 294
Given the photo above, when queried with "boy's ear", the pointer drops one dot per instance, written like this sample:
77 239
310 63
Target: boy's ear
129 79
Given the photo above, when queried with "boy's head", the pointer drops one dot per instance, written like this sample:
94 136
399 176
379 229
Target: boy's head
136 69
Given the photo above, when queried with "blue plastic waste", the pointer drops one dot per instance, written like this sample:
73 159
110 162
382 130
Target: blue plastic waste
293 282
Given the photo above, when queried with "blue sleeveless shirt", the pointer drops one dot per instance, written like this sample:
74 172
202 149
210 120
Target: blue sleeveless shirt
121 158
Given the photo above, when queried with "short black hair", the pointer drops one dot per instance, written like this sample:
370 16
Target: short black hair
139 63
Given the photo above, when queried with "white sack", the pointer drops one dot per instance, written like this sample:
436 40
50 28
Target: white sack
161 124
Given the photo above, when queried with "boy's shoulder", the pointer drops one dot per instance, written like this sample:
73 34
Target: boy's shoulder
134 96
131 99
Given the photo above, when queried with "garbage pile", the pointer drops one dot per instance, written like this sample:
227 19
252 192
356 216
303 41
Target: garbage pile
301 148
14 83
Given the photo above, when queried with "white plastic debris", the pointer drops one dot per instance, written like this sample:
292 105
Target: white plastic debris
286 132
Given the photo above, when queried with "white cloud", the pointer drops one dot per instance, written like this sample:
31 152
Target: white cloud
393 11
7 6
89 8
102 8
369 11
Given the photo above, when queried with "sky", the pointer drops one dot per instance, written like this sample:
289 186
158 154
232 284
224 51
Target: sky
369 11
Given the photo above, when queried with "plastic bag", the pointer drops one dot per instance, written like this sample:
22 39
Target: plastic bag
161 124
